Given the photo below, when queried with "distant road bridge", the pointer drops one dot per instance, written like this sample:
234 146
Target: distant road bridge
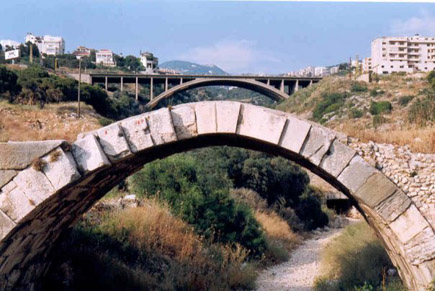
275 87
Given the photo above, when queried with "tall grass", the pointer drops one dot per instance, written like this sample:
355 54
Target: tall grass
356 259
146 248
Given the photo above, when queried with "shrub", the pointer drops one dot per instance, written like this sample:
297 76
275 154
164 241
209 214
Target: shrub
378 120
380 107
376 92
209 209
103 121
330 103
422 110
356 113
358 87
404 100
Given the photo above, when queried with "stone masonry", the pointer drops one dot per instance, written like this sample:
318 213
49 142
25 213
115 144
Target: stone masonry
45 187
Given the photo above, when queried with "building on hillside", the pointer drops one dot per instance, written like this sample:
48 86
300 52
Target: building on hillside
334 70
367 65
321 71
7 43
104 57
82 51
149 61
47 44
403 54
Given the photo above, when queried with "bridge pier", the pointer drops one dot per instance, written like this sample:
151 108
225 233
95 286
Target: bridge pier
137 89
105 82
282 86
296 88
151 89
181 81
166 84
122 84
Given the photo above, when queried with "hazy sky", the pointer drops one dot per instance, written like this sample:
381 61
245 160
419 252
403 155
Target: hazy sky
255 37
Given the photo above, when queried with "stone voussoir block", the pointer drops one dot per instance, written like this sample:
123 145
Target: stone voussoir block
6 224
113 142
421 247
393 206
184 119
137 133
337 158
376 189
14 203
317 144
161 126
356 174
294 134
6 176
409 224
206 117
60 168
261 123
227 116
88 154
35 184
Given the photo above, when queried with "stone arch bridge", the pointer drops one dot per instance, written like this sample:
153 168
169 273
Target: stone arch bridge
47 186
275 87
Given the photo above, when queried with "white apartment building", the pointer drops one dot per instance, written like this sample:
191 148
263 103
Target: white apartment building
403 54
9 43
149 61
82 51
367 65
47 44
321 71
333 70
104 57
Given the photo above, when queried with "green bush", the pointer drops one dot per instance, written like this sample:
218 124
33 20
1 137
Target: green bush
422 110
358 87
380 107
105 121
378 120
331 102
404 100
376 92
200 201
8 81
356 113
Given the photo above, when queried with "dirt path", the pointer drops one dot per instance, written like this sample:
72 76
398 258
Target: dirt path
299 272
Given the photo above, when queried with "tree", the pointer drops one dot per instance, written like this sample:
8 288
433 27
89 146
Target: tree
8 81
132 63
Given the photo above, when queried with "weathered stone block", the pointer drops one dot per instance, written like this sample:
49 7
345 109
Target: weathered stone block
393 206
34 184
356 174
294 134
18 155
161 126
206 117
376 189
88 154
137 133
14 203
421 247
317 144
337 158
261 123
6 176
409 224
6 224
60 169
227 114
184 121
113 142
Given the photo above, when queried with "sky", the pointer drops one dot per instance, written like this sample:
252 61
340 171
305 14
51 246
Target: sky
240 37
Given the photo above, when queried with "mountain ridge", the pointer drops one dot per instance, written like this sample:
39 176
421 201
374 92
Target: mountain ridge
193 68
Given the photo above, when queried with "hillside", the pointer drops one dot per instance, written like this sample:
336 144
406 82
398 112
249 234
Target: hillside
192 68
393 109
54 121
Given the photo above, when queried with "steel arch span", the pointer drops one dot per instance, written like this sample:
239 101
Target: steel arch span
38 204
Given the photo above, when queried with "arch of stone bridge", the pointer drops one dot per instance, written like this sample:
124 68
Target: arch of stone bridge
40 200
250 84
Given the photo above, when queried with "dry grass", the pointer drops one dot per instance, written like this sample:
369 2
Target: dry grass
54 121
280 239
419 139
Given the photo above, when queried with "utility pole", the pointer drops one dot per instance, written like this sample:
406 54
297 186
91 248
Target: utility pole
78 93
31 53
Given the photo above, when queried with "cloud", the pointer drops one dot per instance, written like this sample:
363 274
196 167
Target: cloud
232 56
424 24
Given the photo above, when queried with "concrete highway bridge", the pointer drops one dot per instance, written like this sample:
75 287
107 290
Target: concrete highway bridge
47 186
275 87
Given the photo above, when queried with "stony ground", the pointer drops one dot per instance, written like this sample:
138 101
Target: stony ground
299 272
